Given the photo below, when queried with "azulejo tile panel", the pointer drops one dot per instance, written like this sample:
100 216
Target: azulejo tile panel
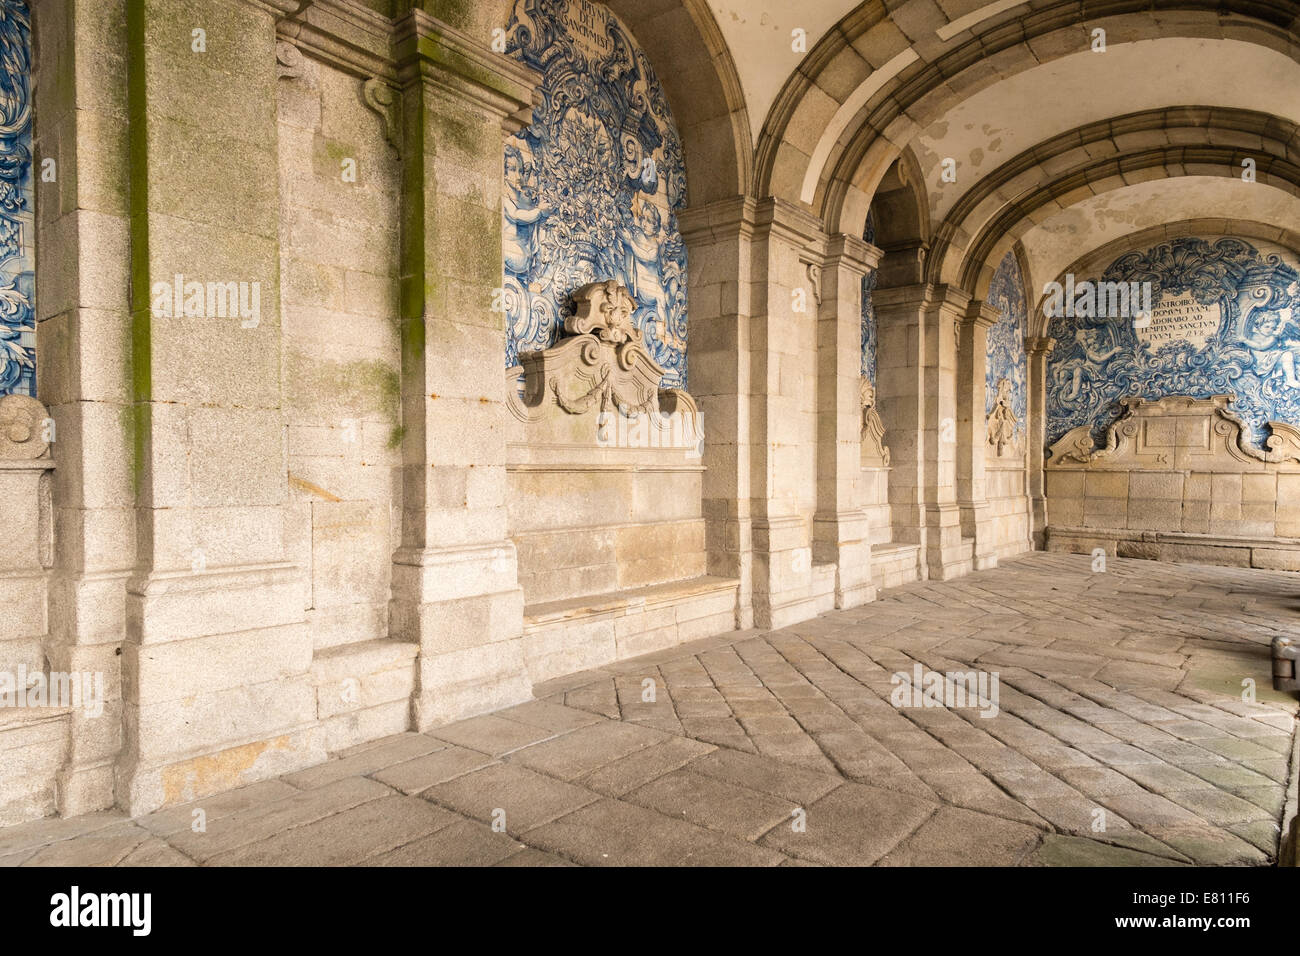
869 337
1221 321
593 186
1006 341
17 223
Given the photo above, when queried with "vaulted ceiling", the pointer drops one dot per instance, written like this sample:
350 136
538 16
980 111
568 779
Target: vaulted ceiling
1051 145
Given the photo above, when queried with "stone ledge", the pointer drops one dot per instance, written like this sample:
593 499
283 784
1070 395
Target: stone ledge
562 637
620 603
33 748
1273 554
363 690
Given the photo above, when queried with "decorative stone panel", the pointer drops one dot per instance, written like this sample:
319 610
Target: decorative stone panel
602 375
1178 479
594 184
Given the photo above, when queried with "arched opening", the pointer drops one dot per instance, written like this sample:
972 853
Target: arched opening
604 449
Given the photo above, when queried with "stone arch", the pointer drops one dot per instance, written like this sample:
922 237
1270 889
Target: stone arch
699 79
865 90
1124 206
1090 154
900 215
1176 162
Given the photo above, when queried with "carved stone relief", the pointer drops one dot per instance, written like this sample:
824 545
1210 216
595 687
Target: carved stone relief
600 364
874 450
24 428
1002 422
1179 432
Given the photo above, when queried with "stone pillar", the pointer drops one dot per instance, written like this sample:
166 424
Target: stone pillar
216 664
972 431
916 389
718 238
782 404
841 533
455 581
901 400
1037 350
947 552
84 367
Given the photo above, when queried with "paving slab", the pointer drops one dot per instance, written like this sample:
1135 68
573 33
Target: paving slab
1120 739
510 796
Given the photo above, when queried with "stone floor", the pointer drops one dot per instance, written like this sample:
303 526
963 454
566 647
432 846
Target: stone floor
1121 738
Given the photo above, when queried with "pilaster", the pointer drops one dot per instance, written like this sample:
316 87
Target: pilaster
216 661
1037 350
455 579
972 431
841 532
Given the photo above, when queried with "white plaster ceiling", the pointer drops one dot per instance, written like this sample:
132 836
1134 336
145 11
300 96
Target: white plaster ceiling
1053 244
989 128
758 33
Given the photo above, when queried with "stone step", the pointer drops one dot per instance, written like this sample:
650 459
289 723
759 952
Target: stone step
894 564
363 690
563 637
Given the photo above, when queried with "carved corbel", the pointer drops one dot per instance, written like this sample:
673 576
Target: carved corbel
387 102
288 60
814 273
25 428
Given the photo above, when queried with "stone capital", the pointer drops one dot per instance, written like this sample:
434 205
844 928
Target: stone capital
449 62
720 220
345 35
951 298
1036 344
787 222
980 314
849 252
917 296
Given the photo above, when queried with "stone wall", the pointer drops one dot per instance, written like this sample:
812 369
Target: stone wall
340 185
1178 479
34 741
604 498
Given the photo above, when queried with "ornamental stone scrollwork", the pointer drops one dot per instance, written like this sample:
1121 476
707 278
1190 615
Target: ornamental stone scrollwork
874 449
601 365
387 102
25 428
814 272
1179 432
